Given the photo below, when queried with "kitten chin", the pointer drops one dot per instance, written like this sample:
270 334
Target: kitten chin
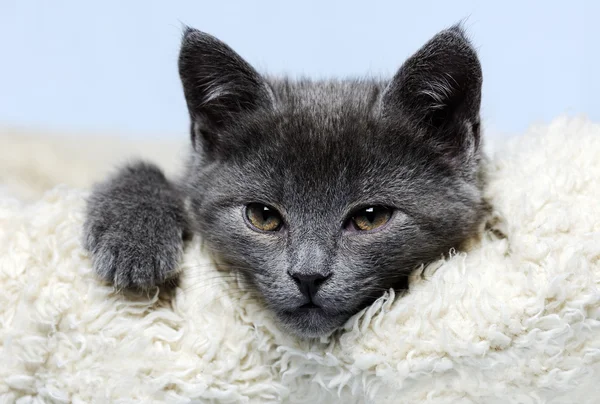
311 323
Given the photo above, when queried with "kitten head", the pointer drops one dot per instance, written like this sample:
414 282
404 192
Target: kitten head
327 193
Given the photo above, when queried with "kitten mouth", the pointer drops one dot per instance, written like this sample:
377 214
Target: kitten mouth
308 306
311 321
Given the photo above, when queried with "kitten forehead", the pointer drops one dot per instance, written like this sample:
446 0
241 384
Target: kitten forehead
329 95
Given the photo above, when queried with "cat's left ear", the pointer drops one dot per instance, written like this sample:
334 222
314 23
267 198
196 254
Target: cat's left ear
220 87
438 92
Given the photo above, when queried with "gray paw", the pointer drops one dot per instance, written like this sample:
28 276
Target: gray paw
134 228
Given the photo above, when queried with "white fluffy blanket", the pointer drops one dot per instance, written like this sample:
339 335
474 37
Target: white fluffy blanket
516 319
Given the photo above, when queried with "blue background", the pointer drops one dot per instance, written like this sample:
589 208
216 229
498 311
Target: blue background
110 66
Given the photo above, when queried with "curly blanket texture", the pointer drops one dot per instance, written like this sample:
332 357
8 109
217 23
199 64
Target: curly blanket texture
516 318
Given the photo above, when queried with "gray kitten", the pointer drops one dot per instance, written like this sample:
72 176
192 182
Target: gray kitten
323 193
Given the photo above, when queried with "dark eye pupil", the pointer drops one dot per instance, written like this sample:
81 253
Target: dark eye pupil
370 214
267 213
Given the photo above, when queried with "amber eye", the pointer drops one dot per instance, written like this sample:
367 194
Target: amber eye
371 218
263 217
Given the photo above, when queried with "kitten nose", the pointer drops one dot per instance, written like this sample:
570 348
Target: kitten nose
309 283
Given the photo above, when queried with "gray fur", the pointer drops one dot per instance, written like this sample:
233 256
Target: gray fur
135 227
316 151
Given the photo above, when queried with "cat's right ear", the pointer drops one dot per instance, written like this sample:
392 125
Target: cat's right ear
438 90
219 86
